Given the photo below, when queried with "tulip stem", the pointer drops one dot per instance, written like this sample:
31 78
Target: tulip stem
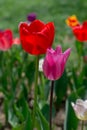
35 90
82 126
51 101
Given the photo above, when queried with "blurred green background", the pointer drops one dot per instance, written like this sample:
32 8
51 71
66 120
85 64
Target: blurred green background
17 67
14 11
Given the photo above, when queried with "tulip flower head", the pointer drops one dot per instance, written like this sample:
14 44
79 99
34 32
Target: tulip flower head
36 37
80 32
6 39
80 109
54 63
72 21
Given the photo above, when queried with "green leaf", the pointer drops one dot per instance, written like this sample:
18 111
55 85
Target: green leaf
12 118
43 121
47 89
61 87
79 47
19 127
30 70
71 121
28 121
18 113
46 111
24 109
78 79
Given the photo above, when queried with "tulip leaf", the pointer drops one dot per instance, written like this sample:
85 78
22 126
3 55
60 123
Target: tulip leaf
19 127
47 89
78 80
12 118
45 111
43 121
79 47
61 87
71 121
25 113
30 70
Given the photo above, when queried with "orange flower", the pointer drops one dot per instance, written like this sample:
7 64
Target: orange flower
72 21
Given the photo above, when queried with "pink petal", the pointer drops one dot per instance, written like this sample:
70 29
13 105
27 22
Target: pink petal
16 41
58 49
67 54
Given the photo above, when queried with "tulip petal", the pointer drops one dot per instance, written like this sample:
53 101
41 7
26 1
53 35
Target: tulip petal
67 54
6 39
72 21
85 25
31 44
54 63
58 49
36 37
80 32
80 109
36 26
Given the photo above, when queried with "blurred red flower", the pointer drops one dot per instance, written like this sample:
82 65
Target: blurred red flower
36 37
85 58
6 39
16 41
80 32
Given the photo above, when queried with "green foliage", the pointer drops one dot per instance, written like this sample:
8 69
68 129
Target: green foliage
61 87
45 111
43 122
71 121
17 68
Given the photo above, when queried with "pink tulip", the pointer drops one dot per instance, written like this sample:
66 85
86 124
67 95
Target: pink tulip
54 63
6 38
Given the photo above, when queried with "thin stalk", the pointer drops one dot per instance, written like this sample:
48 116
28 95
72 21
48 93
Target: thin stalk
51 101
35 90
82 125
42 86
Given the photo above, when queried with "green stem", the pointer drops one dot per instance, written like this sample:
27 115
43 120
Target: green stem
51 101
35 90
82 125
42 86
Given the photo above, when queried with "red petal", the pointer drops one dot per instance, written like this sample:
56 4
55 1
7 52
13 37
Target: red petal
36 26
80 33
51 32
35 44
36 37
85 25
6 40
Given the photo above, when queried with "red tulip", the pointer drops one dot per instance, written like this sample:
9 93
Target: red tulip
80 32
6 39
36 37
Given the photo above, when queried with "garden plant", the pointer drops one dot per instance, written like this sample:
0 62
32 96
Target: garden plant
40 80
